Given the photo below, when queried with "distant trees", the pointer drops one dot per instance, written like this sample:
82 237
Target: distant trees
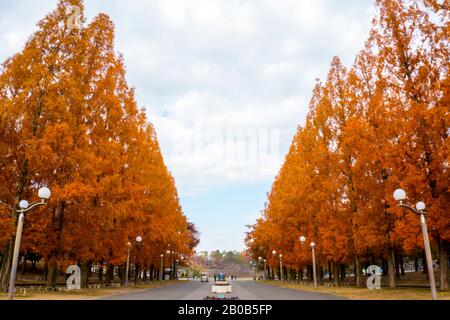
69 120
225 261
380 125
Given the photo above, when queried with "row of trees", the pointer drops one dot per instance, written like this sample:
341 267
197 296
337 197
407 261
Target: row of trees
69 120
380 125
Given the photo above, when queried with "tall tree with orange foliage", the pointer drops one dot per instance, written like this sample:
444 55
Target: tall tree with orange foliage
69 120
381 125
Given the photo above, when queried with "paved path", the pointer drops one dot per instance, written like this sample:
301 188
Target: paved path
245 290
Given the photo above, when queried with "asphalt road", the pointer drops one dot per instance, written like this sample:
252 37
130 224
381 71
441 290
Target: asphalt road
245 290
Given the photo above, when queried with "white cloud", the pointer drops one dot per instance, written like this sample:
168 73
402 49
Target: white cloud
15 40
196 138
208 68
173 12
280 68
225 64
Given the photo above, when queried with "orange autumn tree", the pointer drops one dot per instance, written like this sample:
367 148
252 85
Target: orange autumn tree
413 54
381 125
69 120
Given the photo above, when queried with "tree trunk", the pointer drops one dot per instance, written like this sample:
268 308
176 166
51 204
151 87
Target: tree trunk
402 265
84 267
310 273
120 272
5 269
100 273
397 264
384 266
24 264
391 269
110 274
342 269
46 271
152 270
33 265
52 275
443 264
330 277
358 272
416 263
336 274
136 273
424 263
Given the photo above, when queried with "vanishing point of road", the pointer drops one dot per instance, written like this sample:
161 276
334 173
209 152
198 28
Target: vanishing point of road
245 290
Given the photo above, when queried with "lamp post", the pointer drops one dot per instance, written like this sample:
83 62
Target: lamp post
265 269
281 267
44 194
274 252
400 196
313 245
261 259
168 252
128 264
176 269
138 246
255 267
161 269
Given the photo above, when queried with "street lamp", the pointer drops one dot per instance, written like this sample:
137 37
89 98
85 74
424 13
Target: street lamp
274 252
265 269
44 194
138 247
128 264
264 260
281 267
313 245
168 252
161 270
400 196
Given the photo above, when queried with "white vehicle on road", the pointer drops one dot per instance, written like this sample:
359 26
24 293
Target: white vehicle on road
204 277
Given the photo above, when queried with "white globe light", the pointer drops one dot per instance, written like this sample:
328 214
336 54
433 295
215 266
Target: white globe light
281 256
274 252
162 255
260 258
138 239
23 204
313 244
302 239
129 244
44 193
399 195
252 240
420 206
168 251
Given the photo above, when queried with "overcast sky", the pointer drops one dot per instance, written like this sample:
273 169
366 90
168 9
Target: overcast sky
226 83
